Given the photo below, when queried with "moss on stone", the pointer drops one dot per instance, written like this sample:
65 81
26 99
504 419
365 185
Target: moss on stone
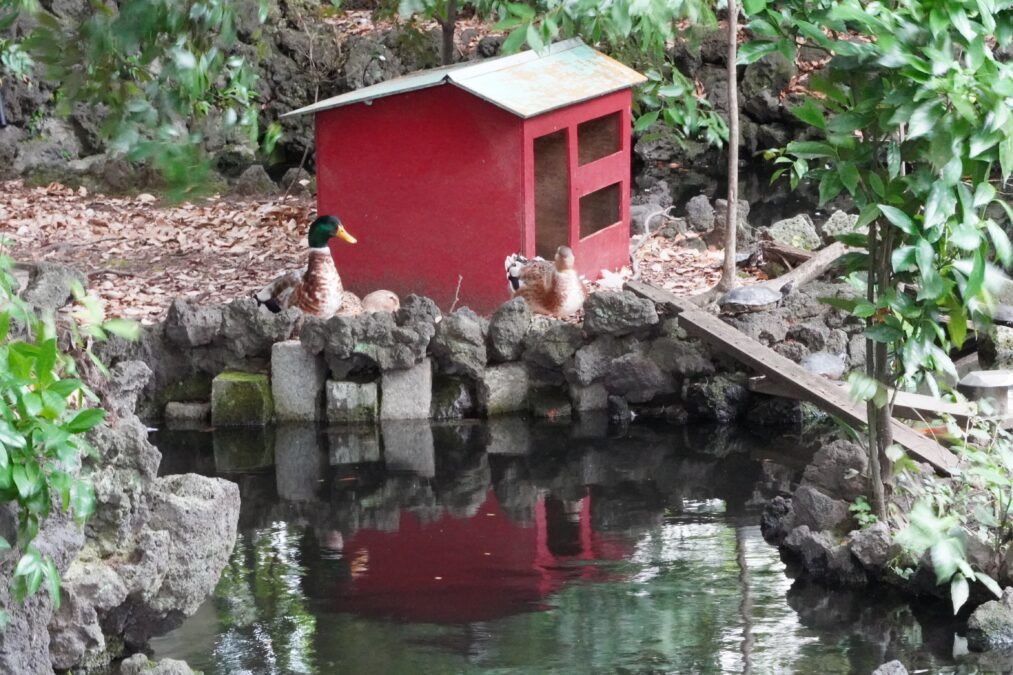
241 399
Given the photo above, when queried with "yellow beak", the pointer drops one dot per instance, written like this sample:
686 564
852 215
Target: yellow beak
343 235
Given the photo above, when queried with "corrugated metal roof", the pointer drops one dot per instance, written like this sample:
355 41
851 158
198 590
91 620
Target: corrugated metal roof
526 84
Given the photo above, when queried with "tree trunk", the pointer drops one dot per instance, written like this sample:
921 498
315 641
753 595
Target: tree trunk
876 414
449 25
728 272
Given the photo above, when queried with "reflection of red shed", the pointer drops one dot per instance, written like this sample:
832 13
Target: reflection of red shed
445 172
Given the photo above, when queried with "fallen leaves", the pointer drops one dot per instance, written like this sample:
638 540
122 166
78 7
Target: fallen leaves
138 256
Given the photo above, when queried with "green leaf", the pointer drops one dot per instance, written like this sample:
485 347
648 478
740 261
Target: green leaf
809 113
810 149
52 581
1001 242
883 333
521 10
862 387
957 325
830 186
85 420
1006 157
754 51
958 592
515 40
534 38
989 583
899 219
849 176
751 7
646 120
124 328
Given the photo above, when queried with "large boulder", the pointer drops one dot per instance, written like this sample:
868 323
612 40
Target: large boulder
824 559
507 327
798 231
618 313
761 86
818 511
990 626
700 214
719 398
459 344
871 546
591 362
839 470
636 378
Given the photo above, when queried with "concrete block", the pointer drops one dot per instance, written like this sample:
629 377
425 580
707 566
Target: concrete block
179 415
241 399
589 398
408 446
509 436
243 450
300 462
351 402
407 394
353 445
504 389
297 382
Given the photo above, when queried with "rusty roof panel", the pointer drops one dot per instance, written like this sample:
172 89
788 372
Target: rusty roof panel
526 84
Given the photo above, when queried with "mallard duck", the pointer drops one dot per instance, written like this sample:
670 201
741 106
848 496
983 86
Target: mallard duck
316 289
549 288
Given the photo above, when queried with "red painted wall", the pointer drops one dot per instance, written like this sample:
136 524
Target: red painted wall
430 182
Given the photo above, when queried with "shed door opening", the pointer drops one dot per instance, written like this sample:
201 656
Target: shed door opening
599 209
598 138
552 194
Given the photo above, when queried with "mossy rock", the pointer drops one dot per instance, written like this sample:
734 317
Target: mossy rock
194 388
241 399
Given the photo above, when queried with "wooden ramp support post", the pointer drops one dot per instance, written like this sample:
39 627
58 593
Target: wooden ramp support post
795 380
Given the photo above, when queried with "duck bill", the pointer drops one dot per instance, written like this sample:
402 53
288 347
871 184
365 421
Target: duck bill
343 235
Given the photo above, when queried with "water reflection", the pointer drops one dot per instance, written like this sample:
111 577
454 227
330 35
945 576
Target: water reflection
513 547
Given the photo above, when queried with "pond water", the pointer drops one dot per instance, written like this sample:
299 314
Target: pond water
513 547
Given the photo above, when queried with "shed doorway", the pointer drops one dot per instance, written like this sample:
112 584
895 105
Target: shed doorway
552 193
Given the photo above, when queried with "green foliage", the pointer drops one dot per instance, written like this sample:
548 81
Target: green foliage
636 32
161 68
862 511
43 416
915 116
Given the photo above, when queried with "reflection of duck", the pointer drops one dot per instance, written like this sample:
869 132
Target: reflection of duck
549 288
317 288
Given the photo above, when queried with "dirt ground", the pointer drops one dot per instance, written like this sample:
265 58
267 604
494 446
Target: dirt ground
139 255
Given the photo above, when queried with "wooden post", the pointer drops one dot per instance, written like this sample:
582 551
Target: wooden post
728 272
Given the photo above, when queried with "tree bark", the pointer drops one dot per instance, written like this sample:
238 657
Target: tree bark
449 25
876 421
728 271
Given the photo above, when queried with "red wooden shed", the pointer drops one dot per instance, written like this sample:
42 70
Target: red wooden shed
443 173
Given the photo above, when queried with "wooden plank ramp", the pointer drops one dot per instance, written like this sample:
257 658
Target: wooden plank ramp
796 381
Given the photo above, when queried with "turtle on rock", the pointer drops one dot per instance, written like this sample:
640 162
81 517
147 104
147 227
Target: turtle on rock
753 298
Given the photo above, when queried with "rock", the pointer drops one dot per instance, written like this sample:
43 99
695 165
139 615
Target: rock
720 398
585 398
503 389
680 357
408 393
298 181
509 324
248 330
550 343
761 86
838 469
823 559
791 350
777 520
700 214
550 404
871 545
197 514
190 325
459 344
489 46
891 668
619 410
798 231
127 379
178 413
990 626
452 399
636 378
254 182
49 286
837 224
837 342
818 511
48 153
139 664
766 328
608 313
408 446
297 382
368 62
812 335
591 362
241 399
775 411
379 339
645 218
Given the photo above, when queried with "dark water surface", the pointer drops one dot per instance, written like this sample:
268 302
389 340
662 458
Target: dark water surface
518 548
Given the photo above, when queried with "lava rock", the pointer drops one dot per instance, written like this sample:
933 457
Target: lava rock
591 362
700 214
191 325
452 399
838 469
837 224
823 559
507 327
636 378
49 286
254 182
249 330
812 335
298 181
618 313
720 398
818 511
894 667
777 520
549 344
871 545
990 626
798 231
459 344
761 86
684 358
